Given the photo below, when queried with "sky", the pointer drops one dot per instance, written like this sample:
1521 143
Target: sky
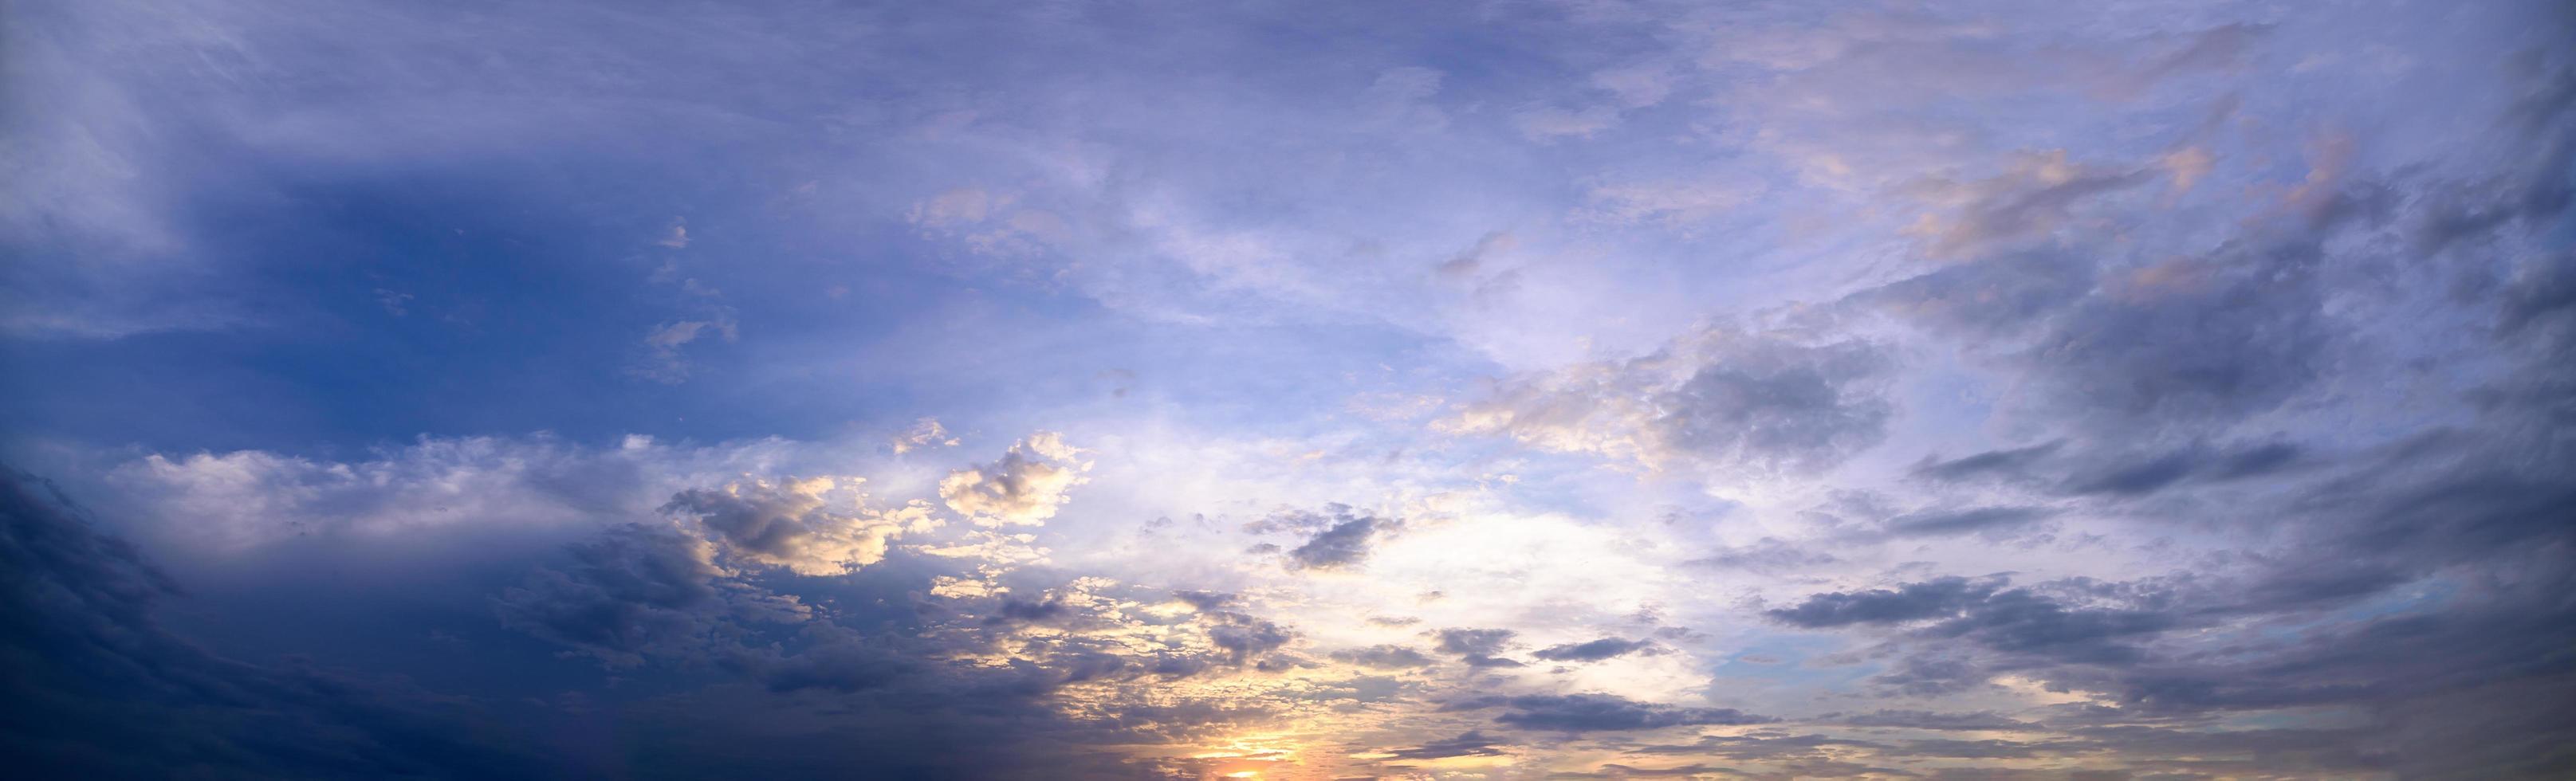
803 389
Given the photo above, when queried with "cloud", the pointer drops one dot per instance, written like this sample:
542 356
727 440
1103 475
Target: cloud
1917 719
2008 462
924 433
1204 601
248 499
1601 713
2265 322
1471 743
1679 205
1719 397
1769 555
1024 488
97 689
665 363
1471 261
1984 520
1474 640
1912 602
2072 622
1344 544
1244 638
2134 478
1477 647
1384 657
635 590
791 524
2033 195
1591 651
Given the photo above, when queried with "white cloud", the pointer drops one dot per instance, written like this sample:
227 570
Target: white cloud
1024 487
924 433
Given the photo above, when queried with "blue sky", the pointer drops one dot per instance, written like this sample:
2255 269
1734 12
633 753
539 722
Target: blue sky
1425 391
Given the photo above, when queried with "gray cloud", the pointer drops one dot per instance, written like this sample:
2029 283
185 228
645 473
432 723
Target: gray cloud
1384 657
1472 743
1204 601
636 589
1344 544
1768 555
2008 462
1477 647
1600 713
1912 602
2136 477
1474 641
1718 397
1918 719
95 688
1592 651
1244 638
1936 523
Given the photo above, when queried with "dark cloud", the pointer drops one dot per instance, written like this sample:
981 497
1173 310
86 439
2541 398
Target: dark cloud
92 687
1470 744
1801 407
1600 713
1992 297
2473 526
2540 291
1918 719
1924 674
1912 602
2027 621
2194 340
1344 544
2113 472
1204 601
1384 657
635 590
2191 340
1616 770
1975 629
2136 478
1477 647
1977 749
1980 519
1244 637
1768 555
831 658
1593 651
1030 611
2009 462
2140 476
1469 642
